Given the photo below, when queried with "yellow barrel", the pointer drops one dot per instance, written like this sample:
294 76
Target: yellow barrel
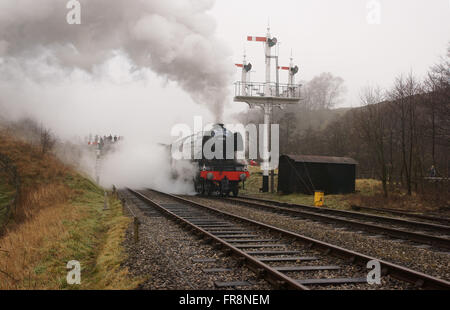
318 199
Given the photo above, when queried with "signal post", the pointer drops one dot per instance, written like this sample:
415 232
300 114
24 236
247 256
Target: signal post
266 96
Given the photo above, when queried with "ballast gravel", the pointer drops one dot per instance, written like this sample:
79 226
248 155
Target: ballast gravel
433 263
164 255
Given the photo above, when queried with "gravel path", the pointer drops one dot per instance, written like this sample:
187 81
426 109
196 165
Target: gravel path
165 252
426 261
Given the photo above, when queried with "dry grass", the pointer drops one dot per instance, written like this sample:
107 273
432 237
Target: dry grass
368 193
22 248
60 218
434 198
7 193
368 187
35 253
33 167
36 199
399 200
41 177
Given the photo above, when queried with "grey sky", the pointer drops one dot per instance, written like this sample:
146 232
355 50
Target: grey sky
137 67
334 36
189 56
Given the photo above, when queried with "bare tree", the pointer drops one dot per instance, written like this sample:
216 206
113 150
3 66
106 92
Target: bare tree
47 140
405 96
372 122
323 91
437 86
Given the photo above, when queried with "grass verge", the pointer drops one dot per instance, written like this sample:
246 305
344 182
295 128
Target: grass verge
35 254
60 218
254 183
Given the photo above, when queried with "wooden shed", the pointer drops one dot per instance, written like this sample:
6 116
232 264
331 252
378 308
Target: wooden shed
307 173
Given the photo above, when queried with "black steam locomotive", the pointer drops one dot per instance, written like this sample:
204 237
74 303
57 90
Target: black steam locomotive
218 171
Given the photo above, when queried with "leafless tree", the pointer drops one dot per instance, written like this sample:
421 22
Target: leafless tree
47 140
373 124
405 95
323 91
396 136
437 87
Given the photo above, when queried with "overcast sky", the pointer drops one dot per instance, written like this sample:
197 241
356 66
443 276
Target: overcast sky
335 36
136 68
182 54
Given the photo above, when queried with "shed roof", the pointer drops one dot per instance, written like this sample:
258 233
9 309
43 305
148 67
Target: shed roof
322 159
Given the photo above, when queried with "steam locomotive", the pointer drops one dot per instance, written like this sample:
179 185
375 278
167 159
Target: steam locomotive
218 171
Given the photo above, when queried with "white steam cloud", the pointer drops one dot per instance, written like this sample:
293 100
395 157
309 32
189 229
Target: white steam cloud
146 165
126 70
173 38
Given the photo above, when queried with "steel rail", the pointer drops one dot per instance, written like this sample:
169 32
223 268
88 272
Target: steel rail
371 217
442 220
394 232
419 279
270 274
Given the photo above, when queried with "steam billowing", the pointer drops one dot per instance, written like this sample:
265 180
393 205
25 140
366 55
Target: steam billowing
119 72
173 38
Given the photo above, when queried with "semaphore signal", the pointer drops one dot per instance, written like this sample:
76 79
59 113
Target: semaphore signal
267 95
257 39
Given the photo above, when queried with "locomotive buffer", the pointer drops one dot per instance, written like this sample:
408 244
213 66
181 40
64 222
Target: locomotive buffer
266 96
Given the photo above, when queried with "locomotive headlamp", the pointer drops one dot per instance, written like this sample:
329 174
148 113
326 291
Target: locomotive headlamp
210 176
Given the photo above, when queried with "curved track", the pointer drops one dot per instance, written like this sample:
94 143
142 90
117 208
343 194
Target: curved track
270 251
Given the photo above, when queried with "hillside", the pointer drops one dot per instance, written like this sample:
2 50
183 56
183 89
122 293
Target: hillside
59 217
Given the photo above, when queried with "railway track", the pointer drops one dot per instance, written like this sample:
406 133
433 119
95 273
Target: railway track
435 235
431 218
403 214
285 259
